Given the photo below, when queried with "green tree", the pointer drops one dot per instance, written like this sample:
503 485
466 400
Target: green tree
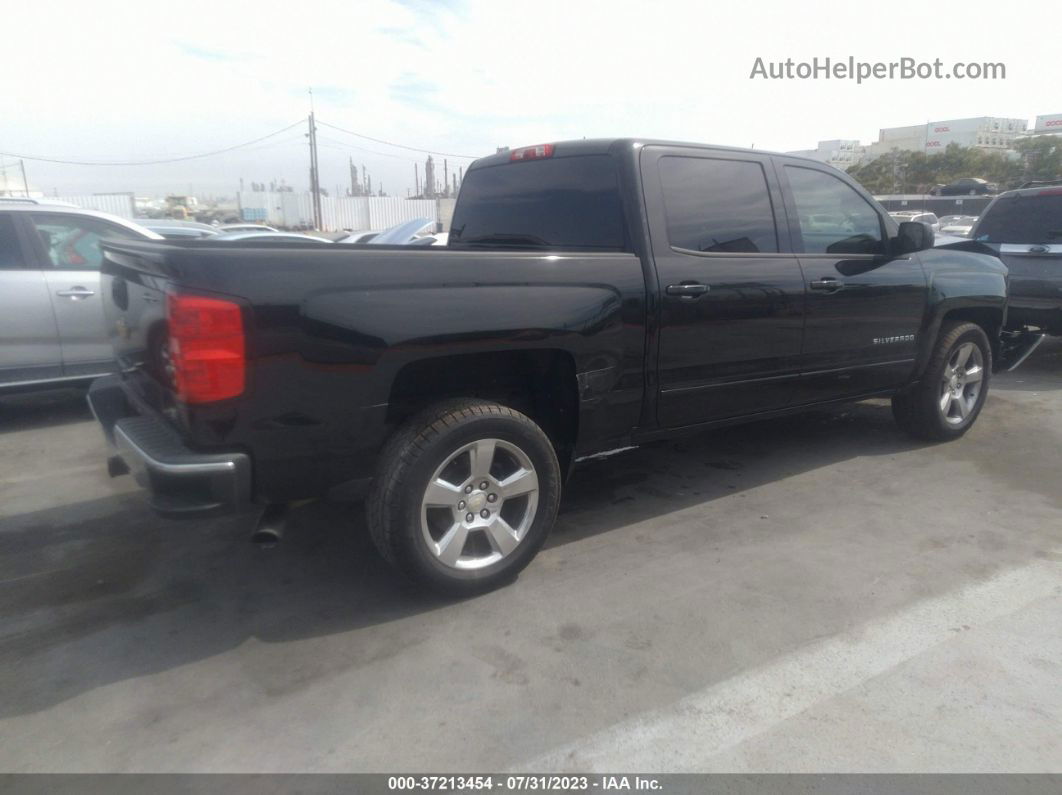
916 172
1041 157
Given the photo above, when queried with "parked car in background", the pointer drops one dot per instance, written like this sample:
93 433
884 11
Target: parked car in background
967 186
404 233
1025 228
246 228
179 230
267 237
957 225
915 215
593 295
358 237
51 316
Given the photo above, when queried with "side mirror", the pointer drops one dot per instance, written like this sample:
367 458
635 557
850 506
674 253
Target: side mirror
913 236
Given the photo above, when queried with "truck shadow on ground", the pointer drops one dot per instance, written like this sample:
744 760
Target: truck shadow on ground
37 410
98 592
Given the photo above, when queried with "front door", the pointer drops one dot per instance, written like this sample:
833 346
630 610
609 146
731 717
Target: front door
732 299
864 306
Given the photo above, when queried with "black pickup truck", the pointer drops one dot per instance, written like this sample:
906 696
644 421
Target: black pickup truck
1024 227
594 295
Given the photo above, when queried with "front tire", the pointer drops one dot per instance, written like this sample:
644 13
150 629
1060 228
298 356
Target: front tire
465 496
946 402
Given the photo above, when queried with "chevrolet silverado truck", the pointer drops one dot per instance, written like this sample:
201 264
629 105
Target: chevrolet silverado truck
593 295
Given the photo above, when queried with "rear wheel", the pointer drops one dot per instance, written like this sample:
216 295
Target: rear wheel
948 399
465 496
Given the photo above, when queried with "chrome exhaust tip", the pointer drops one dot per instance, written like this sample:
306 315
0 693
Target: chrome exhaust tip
270 527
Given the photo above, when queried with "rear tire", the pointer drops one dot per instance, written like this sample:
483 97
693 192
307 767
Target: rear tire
946 402
465 495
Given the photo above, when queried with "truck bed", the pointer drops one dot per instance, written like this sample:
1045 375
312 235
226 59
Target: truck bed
334 336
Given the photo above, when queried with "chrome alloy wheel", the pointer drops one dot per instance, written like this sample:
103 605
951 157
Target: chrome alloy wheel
961 383
479 504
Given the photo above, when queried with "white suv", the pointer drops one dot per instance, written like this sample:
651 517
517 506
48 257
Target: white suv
51 317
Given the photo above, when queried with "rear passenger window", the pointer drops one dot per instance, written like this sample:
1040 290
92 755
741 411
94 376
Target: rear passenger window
10 251
717 205
833 217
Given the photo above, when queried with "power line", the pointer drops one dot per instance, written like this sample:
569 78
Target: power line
332 143
399 146
152 162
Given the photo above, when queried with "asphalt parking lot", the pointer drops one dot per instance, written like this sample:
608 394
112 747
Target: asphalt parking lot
816 593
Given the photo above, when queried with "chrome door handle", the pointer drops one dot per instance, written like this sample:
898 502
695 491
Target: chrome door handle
687 289
76 292
826 283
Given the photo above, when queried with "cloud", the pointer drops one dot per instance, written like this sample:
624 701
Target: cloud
201 53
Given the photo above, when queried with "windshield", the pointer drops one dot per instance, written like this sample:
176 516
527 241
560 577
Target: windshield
1023 219
562 203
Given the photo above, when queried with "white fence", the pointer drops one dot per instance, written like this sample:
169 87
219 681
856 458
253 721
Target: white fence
120 204
294 210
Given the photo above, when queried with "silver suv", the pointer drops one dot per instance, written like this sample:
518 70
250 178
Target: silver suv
51 317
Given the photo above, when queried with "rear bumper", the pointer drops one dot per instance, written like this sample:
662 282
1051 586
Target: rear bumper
179 481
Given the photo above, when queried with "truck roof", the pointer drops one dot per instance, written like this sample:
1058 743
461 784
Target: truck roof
603 146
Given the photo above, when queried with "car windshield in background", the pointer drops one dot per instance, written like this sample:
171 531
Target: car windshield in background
559 203
1023 219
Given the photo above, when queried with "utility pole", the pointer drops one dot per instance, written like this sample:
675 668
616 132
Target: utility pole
446 178
315 174
416 177
25 185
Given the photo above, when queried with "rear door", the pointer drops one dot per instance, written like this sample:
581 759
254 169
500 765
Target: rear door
29 340
69 247
732 295
864 306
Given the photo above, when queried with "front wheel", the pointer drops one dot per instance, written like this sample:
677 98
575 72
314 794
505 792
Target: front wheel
948 399
465 496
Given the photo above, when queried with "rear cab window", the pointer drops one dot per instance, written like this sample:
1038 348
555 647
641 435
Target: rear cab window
1035 218
570 203
716 205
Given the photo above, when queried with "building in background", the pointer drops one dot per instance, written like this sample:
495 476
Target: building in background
840 153
1051 124
990 133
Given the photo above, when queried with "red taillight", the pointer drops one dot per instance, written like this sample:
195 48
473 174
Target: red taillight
1051 192
531 153
206 348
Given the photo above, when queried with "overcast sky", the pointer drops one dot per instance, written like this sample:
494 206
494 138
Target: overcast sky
145 80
